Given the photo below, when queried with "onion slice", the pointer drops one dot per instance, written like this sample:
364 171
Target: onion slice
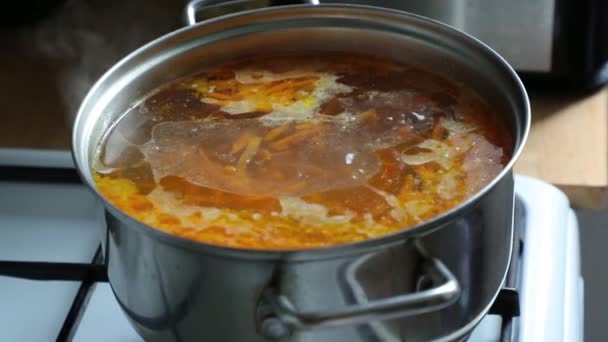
456 127
417 159
440 153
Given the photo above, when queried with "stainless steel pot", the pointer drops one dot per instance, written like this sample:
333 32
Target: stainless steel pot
434 281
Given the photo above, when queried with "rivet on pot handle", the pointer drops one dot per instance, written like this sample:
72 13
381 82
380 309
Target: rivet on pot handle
284 311
196 8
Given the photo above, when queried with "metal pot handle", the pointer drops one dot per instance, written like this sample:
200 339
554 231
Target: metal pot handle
197 8
284 316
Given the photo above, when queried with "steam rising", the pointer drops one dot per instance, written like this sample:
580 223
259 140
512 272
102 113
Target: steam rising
85 38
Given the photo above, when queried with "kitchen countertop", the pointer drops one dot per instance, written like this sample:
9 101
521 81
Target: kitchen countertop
568 146
31 101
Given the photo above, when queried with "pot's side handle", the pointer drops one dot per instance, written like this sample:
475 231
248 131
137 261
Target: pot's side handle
286 317
207 9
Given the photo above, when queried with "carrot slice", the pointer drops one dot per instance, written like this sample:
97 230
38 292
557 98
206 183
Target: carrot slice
438 132
284 143
241 142
368 115
250 151
275 132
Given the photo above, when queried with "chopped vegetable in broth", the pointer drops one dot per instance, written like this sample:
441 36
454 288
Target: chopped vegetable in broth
300 152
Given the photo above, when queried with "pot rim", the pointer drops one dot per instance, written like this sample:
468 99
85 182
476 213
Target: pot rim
325 252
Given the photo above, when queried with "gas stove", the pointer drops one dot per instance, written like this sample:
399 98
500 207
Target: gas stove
48 218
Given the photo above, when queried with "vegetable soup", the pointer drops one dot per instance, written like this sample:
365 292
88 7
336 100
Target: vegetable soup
300 152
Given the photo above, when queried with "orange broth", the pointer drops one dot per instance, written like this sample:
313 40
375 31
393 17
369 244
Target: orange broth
300 152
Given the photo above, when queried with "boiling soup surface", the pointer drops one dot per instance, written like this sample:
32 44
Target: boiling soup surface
300 152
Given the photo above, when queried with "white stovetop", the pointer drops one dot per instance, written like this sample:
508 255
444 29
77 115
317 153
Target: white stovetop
42 222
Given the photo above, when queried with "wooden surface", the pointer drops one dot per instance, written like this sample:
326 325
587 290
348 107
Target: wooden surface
568 146
33 110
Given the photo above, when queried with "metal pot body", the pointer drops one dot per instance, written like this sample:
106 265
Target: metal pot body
171 293
432 281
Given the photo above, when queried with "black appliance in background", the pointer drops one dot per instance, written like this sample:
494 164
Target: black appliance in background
553 44
580 47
